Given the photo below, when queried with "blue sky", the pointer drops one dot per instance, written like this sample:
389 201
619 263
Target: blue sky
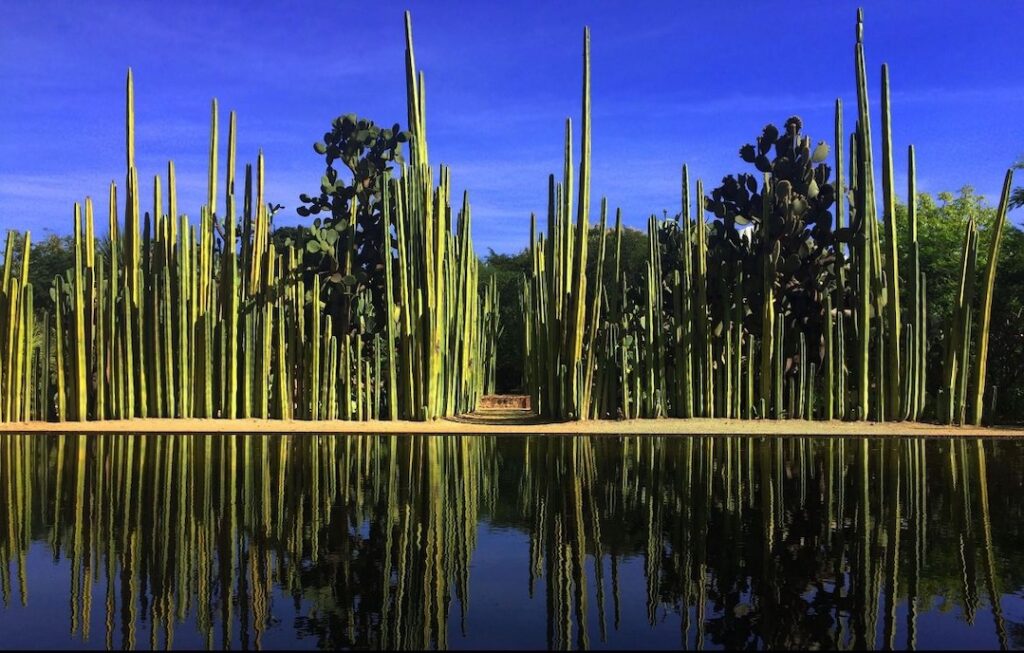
673 82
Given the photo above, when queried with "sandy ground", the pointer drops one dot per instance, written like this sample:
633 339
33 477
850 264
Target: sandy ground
497 421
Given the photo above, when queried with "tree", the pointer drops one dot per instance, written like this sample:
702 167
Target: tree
633 257
1017 196
51 256
282 237
511 269
941 223
508 270
796 230
348 254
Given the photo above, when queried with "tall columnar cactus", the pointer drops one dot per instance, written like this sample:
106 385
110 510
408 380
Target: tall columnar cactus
680 343
892 274
867 216
770 259
981 360
590 362
837 377
79 315
15 329
705 378
684 323
558 287
434 322
918 316
958 336
212 319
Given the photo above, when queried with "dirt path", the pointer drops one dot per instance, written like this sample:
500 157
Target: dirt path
515 421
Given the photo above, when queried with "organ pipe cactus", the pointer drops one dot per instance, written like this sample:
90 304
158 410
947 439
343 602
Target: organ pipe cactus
892 275
558 288
866 215
981 363
211 320
808 304
802 314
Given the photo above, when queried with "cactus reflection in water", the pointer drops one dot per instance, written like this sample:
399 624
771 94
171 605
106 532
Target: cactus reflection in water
208 540
197 527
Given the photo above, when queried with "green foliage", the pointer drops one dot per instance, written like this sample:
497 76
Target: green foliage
776 293
1017 197
349 256
509 270
226 318
284 237
798 221
632 261
52 256
941 223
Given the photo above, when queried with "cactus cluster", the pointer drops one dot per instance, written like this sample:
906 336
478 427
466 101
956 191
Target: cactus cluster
436 317
20 360
178 319
788 303
555 298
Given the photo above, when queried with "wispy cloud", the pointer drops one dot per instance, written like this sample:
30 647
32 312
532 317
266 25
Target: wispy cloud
43 188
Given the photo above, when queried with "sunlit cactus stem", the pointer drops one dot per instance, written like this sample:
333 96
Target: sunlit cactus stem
892 273
915 375
984 320
867 217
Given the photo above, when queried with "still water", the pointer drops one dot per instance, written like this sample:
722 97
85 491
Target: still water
114 541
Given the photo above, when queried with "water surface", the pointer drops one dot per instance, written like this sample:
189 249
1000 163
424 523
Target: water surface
489 541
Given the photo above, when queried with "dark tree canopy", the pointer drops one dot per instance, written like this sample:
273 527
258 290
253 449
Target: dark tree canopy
796 223
347 253
511 269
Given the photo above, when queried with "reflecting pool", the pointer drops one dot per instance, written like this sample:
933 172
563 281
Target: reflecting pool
269 541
